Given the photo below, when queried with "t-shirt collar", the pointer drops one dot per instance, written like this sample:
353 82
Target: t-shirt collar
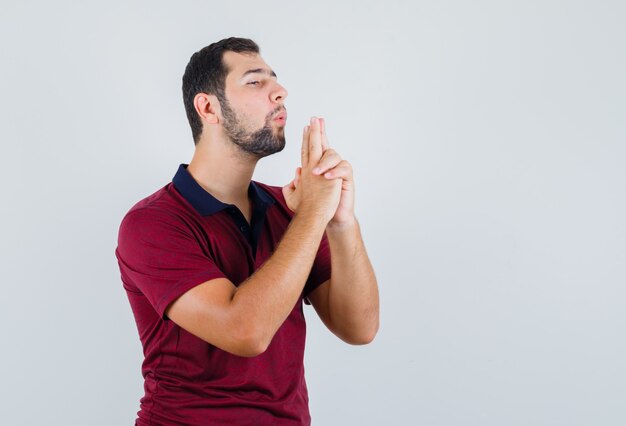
205 203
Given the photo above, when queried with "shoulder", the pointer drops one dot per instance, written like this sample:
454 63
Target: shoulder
162 209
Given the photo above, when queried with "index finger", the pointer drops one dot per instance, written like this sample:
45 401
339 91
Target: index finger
325 144
315 141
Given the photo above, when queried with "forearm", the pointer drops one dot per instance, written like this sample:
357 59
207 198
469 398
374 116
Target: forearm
267 298
353 293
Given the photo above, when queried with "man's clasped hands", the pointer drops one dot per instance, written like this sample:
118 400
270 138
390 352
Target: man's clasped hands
324 183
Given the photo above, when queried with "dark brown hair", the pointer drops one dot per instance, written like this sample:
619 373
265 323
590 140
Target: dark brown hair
206 73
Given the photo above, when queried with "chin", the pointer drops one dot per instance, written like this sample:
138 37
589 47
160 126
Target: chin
277 148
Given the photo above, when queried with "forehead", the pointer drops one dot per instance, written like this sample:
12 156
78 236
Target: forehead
239 64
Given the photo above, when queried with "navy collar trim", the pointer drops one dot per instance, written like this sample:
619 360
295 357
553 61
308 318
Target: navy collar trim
205 203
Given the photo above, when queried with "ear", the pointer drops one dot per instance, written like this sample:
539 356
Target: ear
208 107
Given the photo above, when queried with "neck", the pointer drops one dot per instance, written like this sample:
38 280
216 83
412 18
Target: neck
221 169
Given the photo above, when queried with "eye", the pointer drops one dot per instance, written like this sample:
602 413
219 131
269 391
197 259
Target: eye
254 82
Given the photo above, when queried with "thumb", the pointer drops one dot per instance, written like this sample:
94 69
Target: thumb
289 188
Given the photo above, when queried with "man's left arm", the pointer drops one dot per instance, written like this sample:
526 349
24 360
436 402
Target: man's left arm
348 303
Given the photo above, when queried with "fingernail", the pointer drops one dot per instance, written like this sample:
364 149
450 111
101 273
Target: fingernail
313 120
317 170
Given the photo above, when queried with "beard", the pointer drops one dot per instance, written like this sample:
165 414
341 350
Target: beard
259 143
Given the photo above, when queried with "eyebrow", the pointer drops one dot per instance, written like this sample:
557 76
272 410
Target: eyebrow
260 71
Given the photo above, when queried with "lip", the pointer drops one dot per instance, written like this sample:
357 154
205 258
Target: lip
281 116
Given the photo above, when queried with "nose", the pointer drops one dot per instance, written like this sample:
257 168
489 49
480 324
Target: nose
279 93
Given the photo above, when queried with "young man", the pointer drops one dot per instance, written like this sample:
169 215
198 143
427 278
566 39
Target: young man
216 266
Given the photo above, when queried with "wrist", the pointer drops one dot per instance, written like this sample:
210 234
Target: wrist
310 217
343 226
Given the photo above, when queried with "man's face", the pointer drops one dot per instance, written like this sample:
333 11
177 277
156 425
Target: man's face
253 100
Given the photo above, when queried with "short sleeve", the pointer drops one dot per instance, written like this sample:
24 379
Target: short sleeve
159 257
320 272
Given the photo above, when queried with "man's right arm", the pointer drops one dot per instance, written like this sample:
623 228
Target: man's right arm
243 320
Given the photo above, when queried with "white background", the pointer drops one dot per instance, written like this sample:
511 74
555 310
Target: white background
488 143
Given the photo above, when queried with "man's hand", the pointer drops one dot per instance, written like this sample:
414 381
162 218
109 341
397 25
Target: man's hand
331 166
309 192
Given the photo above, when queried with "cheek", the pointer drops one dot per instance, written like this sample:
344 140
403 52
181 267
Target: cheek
256 113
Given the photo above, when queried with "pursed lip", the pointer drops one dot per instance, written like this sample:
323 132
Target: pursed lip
281 116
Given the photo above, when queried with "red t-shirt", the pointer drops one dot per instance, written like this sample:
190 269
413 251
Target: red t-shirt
180 237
